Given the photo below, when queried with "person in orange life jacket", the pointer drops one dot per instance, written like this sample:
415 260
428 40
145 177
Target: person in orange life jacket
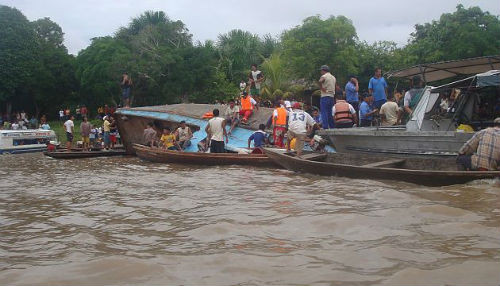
279 124
247 106
344 114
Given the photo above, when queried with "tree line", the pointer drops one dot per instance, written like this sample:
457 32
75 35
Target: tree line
38 75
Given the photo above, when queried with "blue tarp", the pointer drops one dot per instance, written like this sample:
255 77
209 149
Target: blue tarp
238 138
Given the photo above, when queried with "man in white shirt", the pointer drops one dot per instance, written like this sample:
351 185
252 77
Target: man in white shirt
184 135
298 123
232 115
389 112
69 126
216 131
327 85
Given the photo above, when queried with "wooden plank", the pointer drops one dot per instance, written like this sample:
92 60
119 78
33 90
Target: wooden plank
313 156
383 163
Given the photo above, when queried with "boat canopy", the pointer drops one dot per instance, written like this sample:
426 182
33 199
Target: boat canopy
448 69
489 78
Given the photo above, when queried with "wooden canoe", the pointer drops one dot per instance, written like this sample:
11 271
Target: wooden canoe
423 171
84 154
168 156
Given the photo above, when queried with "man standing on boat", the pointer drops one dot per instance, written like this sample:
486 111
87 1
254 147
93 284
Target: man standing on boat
482 151
378 88
69 126
85 128
412 96
344 114
126 85
298 123
106 129
255 78
279 124
216 131
351 92
327 85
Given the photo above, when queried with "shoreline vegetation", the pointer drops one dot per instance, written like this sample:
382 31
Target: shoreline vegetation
166 66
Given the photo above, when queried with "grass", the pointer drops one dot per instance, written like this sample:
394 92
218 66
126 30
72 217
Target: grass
58 128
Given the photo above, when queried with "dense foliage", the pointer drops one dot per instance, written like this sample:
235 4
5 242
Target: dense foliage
166 66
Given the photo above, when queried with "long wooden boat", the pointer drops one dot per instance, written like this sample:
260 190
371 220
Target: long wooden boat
159 155
84 154
426 171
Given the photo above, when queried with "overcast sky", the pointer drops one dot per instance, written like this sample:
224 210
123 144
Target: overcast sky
206 19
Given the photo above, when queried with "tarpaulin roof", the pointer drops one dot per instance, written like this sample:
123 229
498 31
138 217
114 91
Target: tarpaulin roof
443 70
489 78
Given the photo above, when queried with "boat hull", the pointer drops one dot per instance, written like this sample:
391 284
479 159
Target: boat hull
422 177
396 141
167 156
83 154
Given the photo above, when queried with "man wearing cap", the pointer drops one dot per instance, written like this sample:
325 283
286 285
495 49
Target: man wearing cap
298 122
327 85
378 88
482 151
351 92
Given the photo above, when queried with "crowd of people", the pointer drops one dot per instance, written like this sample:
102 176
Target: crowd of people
105 136
22 121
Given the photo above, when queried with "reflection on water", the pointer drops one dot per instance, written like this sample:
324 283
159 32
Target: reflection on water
124 221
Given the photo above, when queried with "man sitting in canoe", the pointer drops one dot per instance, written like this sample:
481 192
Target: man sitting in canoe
149 135
482 151
184 134
298 122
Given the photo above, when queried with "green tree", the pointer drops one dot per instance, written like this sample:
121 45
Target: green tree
238 50
276 75
18 55
317 42
99 68
463 34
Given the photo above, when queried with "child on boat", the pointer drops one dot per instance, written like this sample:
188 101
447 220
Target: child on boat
168 140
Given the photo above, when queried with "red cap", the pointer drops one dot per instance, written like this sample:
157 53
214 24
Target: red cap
297 105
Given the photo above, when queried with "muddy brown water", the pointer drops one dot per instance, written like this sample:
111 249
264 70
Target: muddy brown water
122 221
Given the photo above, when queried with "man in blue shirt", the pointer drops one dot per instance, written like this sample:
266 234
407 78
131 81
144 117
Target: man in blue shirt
258 137
378 88
366 111
351 92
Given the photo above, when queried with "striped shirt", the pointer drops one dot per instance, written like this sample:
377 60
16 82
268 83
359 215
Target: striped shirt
485 149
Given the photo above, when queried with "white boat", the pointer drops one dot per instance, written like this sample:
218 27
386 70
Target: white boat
23 141
429 131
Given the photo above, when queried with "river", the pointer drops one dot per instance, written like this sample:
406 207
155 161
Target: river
122 221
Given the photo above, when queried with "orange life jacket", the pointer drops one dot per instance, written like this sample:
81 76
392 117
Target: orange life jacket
281 119
342 112
246 103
